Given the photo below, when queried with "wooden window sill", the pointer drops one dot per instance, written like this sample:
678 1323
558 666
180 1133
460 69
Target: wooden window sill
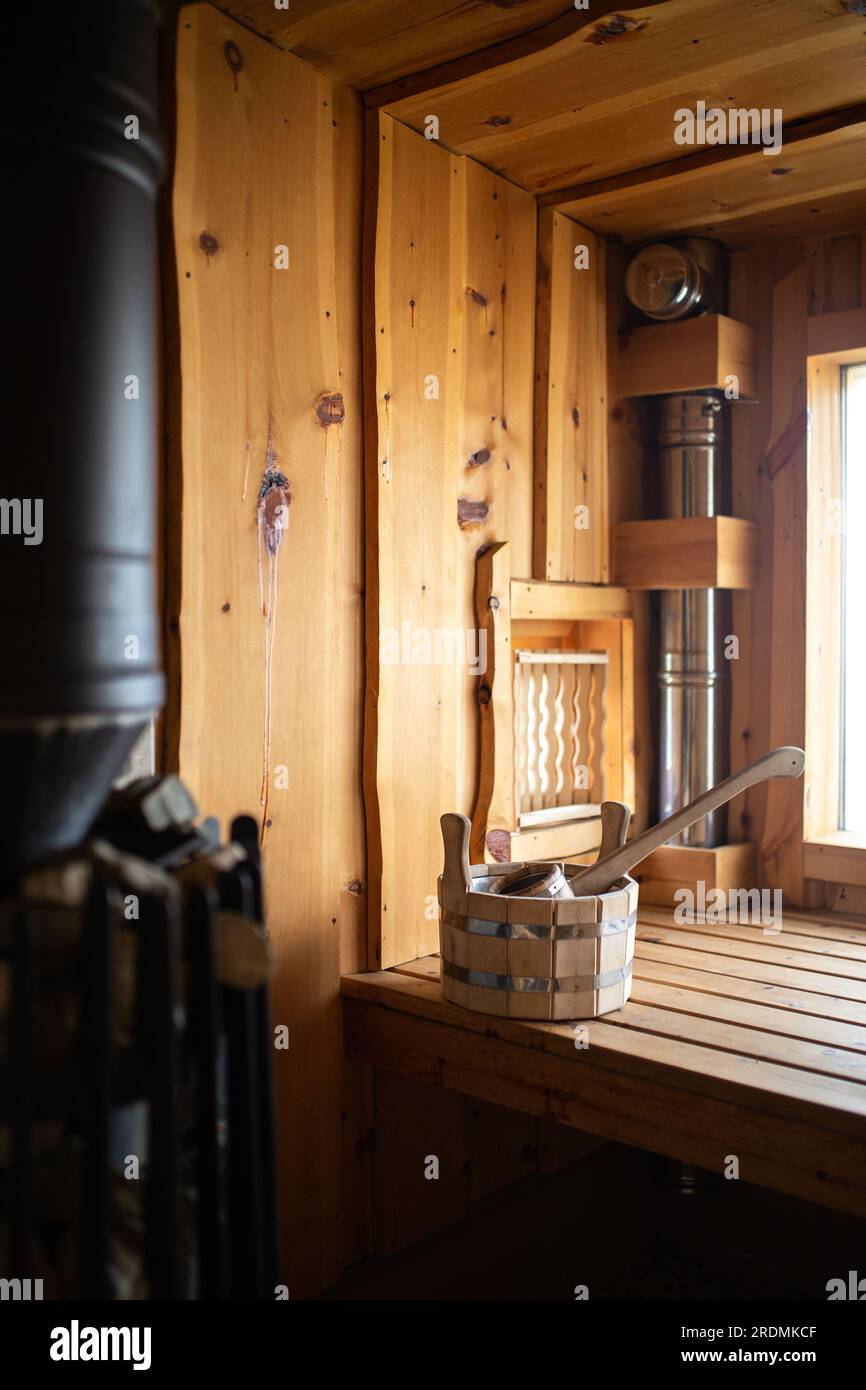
837 858
734 1042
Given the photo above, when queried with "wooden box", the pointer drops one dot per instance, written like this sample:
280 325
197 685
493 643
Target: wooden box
693 552
712 351
674 867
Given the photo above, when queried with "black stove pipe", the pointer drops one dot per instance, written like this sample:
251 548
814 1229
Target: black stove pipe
79 633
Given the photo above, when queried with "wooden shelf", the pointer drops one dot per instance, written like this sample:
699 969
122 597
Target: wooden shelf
542 600
691 355
696 552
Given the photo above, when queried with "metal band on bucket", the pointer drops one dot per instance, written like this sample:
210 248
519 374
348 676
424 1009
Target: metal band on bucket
536 984
520 931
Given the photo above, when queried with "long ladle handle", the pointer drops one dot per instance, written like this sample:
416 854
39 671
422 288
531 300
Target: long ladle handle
781 762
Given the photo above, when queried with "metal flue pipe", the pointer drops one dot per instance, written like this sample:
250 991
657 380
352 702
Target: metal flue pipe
693 670
79 631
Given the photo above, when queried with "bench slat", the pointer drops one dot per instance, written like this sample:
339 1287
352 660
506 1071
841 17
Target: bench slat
840 951
747 1040
798 1002
720 962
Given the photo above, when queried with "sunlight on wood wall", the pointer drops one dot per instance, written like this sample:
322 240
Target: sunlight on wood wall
449 323
269 157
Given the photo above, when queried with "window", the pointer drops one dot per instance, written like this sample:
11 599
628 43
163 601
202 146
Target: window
834 811
852 797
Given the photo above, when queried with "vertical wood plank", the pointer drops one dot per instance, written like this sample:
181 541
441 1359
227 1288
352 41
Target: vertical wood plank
570 404
497 227
449 253
415 319
258 348
751 280
786 467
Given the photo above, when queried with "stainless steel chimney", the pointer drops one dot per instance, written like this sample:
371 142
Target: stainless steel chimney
693 674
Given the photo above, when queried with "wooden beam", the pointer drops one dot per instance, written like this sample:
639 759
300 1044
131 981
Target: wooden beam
711 159
496 55
734 193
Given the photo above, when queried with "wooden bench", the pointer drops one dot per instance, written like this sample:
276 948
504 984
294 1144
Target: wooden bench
735 1043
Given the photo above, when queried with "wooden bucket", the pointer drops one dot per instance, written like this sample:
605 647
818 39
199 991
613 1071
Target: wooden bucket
532 957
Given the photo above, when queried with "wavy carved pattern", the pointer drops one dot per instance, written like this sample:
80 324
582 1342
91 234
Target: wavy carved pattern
559 730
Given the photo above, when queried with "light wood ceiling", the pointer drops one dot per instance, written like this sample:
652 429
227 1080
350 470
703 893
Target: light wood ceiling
816 184
367 42
578 106
583 109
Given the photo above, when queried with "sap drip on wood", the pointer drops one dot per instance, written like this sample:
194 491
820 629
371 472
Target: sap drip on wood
272 516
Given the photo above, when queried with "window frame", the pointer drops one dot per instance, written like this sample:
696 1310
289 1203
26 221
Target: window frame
829 854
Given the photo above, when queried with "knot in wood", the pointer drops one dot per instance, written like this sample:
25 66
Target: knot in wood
330 409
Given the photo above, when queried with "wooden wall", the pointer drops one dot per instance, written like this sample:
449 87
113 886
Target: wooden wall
449 298
269 155
269 377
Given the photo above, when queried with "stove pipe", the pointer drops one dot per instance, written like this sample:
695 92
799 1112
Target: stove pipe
693 671
79 631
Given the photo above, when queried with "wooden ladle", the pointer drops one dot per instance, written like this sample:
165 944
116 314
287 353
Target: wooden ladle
598 877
